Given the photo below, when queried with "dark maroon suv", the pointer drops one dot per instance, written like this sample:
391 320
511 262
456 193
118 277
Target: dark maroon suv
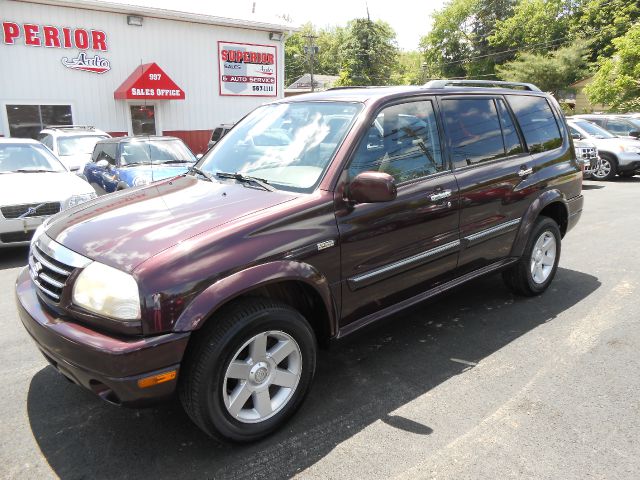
313 217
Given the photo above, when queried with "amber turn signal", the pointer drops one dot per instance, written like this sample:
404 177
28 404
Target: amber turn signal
156 379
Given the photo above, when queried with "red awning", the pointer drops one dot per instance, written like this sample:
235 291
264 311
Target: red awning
148 82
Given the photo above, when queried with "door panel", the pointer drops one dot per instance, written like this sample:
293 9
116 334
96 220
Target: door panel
394 250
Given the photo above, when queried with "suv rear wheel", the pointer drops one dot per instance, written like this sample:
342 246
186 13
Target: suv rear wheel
535 270
249 371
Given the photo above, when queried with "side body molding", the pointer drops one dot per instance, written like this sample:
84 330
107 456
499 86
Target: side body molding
547 197
228 288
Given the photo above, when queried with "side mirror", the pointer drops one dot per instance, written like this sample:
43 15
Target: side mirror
634 134
102 163
576 136
372 187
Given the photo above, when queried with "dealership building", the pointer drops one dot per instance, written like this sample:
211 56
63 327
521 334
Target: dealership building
132 70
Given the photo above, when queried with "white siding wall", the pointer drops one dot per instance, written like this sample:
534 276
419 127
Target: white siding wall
187 52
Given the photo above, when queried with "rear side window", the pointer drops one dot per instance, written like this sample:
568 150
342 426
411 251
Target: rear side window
512 143
537 122
473 130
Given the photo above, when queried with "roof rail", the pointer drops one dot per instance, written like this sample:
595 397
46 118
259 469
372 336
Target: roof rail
480 83
358 86
88 127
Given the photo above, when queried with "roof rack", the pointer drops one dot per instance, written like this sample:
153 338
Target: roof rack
358 86
480 83
60 127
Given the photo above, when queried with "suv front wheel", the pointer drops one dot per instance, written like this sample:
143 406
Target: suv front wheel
248 370
535 270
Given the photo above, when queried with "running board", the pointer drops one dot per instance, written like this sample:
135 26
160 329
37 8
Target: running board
409 302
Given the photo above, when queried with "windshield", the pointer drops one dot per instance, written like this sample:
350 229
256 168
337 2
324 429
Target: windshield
289 145
593 130
80 144
156 152
27 157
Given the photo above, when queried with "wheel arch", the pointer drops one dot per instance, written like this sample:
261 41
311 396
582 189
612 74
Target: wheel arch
297 284
550 203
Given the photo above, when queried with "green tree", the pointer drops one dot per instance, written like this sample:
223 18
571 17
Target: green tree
369 53
409 70
329 56
603 20
551 72
295 59
617 80
458 43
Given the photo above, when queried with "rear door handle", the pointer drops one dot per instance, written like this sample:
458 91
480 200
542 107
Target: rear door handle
523 172
440 195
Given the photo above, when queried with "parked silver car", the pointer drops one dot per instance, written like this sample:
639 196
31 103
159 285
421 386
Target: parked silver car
587 156
619 125
618 156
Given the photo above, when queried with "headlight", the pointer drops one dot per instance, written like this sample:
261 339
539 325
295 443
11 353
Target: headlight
629 149
78 199
140 181
107 291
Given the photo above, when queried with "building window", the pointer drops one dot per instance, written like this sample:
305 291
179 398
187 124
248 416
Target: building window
143 120
26 121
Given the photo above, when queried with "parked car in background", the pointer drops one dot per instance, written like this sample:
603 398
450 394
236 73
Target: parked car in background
619 125
218 133
587 156
618 156
34 185
124 162
73 144
304 224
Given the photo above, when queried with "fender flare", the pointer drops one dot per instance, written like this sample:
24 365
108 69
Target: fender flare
528 219
226 289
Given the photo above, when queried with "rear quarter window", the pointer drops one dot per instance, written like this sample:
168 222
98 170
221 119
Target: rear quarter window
537 122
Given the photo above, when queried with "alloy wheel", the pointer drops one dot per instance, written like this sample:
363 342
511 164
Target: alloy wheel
543 257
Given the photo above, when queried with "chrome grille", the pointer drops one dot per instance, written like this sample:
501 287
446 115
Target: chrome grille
30 210
49 275
587 152
51 264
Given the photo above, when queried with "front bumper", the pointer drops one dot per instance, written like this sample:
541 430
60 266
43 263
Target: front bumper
108 366
574 207
18 231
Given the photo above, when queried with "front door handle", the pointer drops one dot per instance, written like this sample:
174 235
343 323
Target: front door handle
440 195
523 172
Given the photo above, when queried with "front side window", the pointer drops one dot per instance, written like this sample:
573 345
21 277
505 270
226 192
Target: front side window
537 122
15 157
473 130
289 145
403 141
619 127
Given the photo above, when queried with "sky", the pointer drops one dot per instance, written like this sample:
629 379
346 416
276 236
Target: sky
409 18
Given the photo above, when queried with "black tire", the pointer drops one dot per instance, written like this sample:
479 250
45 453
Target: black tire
627 174
519 277
202 376
607 169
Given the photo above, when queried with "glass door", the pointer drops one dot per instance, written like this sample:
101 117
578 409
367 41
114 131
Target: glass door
143 120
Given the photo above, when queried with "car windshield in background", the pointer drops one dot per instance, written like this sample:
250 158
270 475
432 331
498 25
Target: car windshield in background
78 145
155 151
28 158
289 145
593 129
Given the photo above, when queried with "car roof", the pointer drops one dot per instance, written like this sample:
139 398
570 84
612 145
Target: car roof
73 130
368 94
26 141
134 138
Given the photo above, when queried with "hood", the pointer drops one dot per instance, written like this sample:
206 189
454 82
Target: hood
153 173
76 161
19 188
126 228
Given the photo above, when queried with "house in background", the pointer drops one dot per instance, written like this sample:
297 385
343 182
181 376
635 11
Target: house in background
303 84
582 104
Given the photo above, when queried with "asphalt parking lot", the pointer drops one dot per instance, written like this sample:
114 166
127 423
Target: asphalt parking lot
475 384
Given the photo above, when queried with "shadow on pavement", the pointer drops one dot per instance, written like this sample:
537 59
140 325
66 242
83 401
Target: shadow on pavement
362 380
591 186
12 257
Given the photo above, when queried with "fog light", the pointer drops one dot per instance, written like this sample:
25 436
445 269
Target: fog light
156 379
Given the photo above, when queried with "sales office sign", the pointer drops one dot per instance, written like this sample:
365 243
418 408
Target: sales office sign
247 69
49 36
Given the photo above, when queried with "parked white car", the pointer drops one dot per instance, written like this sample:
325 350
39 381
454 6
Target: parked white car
618 156
34 185
73 144
587 155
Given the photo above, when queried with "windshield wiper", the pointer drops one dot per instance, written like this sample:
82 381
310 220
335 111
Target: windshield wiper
247 179
176 161
206 175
